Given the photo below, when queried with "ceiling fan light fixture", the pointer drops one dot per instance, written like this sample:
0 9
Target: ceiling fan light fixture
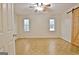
39 8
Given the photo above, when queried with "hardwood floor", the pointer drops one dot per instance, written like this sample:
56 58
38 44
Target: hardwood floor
45 47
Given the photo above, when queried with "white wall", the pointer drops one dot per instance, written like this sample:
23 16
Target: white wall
39 26
66 26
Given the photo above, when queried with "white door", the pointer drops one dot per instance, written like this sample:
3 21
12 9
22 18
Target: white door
7 28
11 29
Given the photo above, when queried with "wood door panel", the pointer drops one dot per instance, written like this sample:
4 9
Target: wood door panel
75 27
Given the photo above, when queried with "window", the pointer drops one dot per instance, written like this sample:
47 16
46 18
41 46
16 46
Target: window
26 25
52 25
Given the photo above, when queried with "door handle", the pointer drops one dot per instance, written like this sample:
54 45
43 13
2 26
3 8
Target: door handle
14 35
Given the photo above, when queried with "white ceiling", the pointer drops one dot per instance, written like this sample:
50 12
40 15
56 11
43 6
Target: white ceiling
23 8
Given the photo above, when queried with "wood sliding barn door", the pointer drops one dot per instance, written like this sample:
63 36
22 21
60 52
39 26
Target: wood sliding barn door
75 27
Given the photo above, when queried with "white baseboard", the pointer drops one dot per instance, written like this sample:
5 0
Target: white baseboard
38 37
65 39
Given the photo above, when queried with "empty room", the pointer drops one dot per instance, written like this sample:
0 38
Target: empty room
39 28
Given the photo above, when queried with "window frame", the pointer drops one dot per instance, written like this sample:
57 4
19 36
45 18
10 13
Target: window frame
26 25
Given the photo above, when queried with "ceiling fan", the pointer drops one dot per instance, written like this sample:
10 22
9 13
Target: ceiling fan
40 6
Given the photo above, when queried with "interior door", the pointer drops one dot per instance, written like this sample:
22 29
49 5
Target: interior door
7 28
11 29
75 27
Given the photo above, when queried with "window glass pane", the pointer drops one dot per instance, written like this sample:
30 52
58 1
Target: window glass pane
26 22
51 26
51 21
27 28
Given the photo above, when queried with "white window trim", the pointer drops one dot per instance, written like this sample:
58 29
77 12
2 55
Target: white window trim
27 25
